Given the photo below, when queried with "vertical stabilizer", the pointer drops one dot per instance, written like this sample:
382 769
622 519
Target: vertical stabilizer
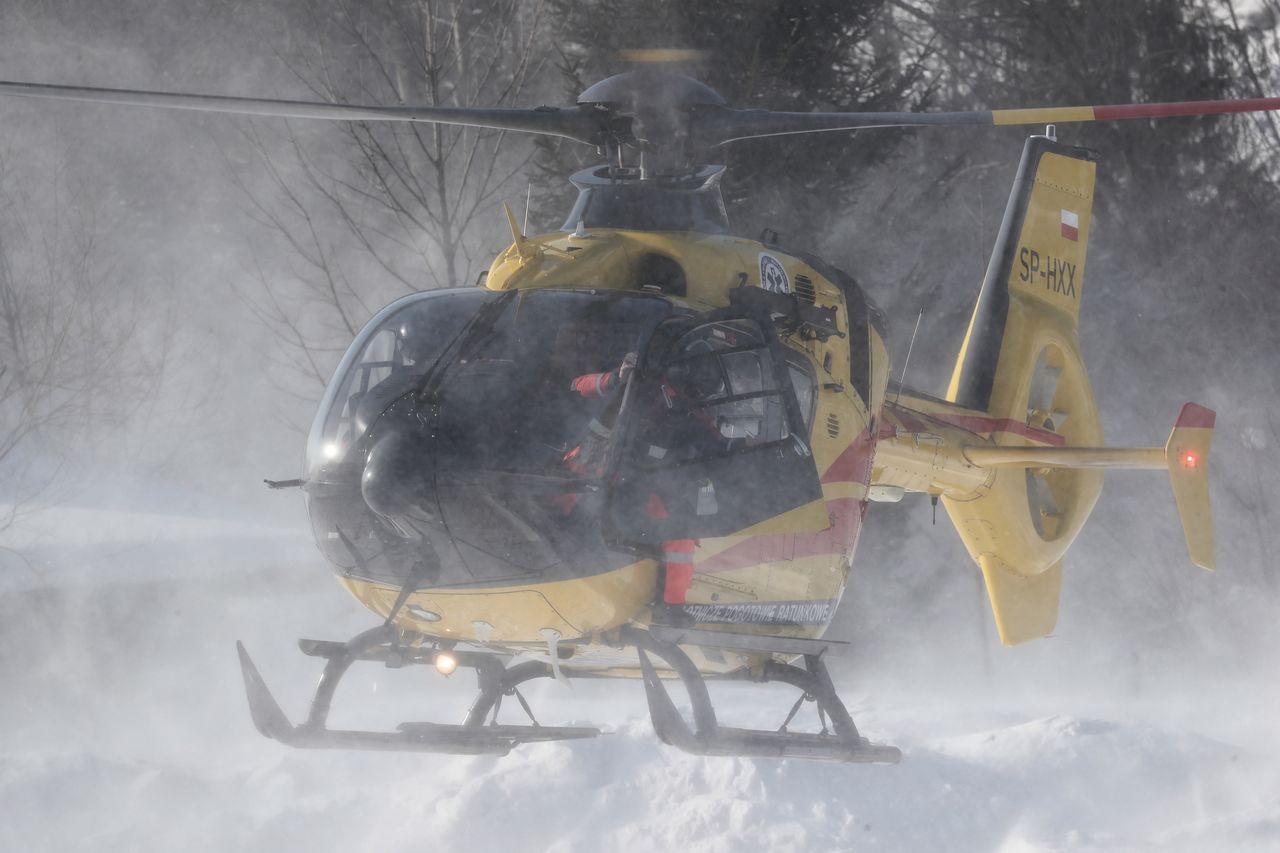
1025 607
1037 266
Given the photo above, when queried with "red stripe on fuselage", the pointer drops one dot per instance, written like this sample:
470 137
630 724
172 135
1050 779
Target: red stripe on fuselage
838 540
978 423
983 424
853 465
910 422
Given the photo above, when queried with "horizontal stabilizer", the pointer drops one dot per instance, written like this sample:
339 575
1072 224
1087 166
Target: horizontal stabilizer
1185 456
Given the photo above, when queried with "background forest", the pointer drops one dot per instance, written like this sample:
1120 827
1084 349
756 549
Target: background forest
175 289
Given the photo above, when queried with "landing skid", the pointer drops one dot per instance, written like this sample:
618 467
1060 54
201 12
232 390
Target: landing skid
480 734
473 737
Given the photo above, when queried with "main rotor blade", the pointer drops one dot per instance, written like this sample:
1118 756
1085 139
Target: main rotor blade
579 123
718 125
710 125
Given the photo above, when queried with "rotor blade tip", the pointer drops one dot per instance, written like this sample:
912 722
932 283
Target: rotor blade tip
663 55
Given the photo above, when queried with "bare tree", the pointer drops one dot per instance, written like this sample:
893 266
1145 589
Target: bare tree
70 360
1255 40
389 208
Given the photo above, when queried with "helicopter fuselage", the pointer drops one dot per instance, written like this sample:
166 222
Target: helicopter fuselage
781 575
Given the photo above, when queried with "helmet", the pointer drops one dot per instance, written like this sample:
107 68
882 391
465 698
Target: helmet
698 378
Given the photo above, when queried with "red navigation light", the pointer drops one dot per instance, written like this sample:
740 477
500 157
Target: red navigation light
1190 460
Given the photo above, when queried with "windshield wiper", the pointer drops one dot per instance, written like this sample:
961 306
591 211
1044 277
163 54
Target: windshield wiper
464 343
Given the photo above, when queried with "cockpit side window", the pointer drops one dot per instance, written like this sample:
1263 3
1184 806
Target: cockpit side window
805 387
731 371
723 375
381 357
715 443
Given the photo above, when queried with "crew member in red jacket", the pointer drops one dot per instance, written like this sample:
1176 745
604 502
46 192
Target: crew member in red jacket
588 458
605 384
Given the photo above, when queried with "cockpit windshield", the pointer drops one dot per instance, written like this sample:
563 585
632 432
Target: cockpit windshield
386 360
526 391
463 428
505 387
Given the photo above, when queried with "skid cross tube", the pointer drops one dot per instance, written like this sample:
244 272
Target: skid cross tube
708 737
336 667
472 737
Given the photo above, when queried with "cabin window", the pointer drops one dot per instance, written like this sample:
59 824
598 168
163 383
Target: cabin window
716 442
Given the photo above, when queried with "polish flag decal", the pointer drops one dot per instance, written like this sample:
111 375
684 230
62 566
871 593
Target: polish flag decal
1070 225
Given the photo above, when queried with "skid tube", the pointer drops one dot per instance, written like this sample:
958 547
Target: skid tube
474 737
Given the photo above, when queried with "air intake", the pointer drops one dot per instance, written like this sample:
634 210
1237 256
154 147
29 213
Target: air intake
833 426
804 289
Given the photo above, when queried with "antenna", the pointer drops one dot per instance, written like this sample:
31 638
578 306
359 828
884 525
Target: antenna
528 198
523 249
902 380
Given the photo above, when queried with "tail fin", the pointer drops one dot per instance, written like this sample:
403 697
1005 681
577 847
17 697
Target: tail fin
1021 366
1034 281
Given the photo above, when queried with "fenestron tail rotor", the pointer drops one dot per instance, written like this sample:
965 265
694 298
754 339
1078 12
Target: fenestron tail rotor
1045 512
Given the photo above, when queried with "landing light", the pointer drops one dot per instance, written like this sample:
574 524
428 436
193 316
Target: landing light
331 451
445 663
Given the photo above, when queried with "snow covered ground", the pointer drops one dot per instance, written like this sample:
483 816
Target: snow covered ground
123 727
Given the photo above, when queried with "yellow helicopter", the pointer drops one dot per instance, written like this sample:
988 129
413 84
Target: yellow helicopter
644 448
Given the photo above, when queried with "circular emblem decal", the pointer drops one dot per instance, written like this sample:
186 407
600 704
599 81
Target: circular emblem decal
773 276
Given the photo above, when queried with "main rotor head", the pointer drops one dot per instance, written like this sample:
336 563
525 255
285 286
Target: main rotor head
652 110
